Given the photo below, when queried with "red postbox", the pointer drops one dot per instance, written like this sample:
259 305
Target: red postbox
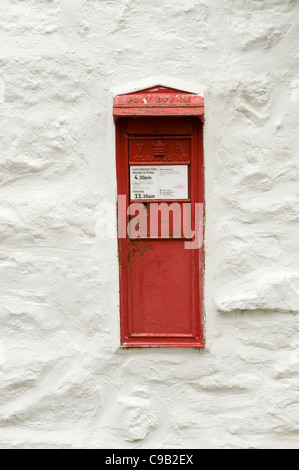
160 181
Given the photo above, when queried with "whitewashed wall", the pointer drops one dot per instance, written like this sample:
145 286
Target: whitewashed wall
63 380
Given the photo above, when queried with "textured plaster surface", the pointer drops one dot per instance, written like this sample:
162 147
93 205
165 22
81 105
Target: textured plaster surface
64 382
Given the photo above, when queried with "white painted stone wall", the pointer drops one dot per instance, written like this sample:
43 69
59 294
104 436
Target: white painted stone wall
64 382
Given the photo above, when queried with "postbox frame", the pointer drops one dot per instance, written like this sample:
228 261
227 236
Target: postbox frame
167 102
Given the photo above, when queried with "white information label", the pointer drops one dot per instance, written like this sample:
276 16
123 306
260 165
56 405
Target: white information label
159 182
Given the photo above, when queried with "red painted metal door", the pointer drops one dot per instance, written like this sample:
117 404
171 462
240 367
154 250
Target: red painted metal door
160 166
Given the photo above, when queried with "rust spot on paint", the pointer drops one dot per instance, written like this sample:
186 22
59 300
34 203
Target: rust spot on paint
141 248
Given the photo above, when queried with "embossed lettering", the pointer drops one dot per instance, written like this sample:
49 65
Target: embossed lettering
160 99
140 146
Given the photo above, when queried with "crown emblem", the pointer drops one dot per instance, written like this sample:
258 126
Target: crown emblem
159 149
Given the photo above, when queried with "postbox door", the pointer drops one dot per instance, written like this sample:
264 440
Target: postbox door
160 170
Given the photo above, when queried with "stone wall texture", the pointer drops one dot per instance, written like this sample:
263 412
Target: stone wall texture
64 381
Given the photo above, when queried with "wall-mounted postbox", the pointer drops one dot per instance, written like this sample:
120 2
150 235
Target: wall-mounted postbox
160 180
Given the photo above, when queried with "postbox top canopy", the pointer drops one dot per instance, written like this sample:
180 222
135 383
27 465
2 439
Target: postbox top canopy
158 101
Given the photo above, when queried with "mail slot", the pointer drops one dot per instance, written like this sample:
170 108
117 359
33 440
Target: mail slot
160 183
